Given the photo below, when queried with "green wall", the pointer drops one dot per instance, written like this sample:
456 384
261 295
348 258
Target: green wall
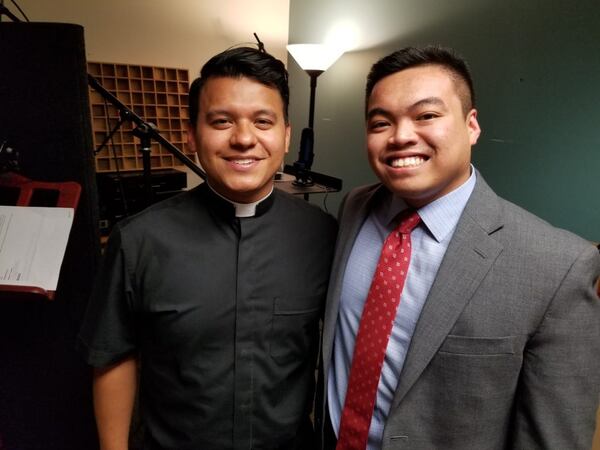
536 66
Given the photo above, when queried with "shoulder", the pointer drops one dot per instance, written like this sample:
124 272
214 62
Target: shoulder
296 207
546 256
363 193
518 229
163 217
361 199
559 256
534 232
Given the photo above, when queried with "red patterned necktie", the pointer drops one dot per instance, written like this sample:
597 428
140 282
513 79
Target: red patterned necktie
374 333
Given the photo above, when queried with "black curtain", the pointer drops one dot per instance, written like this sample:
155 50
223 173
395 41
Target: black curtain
45 388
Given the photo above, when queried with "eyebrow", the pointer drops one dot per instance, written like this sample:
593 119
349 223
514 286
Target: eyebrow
378 112
433 101
436 101
268 112
225 112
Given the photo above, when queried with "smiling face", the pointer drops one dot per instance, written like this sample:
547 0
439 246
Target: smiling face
240 136
418 137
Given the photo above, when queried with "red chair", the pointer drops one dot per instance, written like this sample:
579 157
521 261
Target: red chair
68 191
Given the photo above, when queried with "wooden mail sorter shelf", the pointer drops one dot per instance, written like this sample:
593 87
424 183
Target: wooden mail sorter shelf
158 95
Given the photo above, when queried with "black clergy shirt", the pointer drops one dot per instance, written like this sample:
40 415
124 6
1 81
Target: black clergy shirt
223 313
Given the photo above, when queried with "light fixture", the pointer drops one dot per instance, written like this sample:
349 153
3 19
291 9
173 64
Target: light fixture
314 59
314 56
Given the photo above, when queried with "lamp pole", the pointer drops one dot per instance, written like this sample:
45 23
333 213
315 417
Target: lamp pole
313 74
314 59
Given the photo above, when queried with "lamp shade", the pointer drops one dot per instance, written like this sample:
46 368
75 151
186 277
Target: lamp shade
314 56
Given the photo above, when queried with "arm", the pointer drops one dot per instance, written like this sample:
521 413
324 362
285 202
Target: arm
114 394
557 397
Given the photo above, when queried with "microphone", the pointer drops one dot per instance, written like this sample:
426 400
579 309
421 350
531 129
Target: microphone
306 154
305 158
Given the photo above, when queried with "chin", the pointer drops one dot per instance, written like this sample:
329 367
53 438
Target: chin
410 194
403 189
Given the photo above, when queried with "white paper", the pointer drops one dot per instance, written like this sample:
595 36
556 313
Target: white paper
32 245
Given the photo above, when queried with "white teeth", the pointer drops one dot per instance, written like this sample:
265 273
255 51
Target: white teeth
243 162
411 161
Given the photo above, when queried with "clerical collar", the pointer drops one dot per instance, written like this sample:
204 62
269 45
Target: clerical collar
242 209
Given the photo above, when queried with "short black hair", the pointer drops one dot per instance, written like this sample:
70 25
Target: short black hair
242 62
431 55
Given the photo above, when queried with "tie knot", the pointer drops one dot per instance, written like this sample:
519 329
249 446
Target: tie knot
409 219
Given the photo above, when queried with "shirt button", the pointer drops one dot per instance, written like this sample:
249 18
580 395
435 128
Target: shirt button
245 353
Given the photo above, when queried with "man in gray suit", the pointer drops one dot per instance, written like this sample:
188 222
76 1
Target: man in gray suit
495 343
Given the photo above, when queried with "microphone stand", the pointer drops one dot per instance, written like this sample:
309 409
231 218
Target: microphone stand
6 12
307 141
305 178
145 131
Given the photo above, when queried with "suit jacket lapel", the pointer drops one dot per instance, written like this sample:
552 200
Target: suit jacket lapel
469 257
351 221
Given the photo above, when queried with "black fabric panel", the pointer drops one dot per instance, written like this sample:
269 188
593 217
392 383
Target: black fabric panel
45 389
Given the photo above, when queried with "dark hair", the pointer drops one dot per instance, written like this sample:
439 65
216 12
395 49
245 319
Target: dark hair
242 62
431 55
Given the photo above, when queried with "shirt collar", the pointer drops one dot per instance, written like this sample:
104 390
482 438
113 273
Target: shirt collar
246 209
440 216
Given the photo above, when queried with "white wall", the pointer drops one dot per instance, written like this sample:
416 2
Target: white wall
176 33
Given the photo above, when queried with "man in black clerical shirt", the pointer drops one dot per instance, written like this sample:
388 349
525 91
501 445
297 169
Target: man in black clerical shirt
216 294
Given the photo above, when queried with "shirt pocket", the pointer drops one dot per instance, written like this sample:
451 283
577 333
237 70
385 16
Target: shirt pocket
294 331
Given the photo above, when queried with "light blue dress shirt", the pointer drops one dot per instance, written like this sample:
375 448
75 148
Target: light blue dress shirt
429 243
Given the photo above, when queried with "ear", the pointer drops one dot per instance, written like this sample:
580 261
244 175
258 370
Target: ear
191 133
473 127
288 133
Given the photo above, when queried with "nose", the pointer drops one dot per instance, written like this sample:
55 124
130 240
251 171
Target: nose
243 136
403 134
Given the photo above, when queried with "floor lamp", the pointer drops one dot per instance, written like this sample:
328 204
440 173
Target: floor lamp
314 59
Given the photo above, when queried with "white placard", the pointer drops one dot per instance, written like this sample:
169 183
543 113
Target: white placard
32 245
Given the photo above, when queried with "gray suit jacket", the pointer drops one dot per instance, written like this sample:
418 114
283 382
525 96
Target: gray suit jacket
506 352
